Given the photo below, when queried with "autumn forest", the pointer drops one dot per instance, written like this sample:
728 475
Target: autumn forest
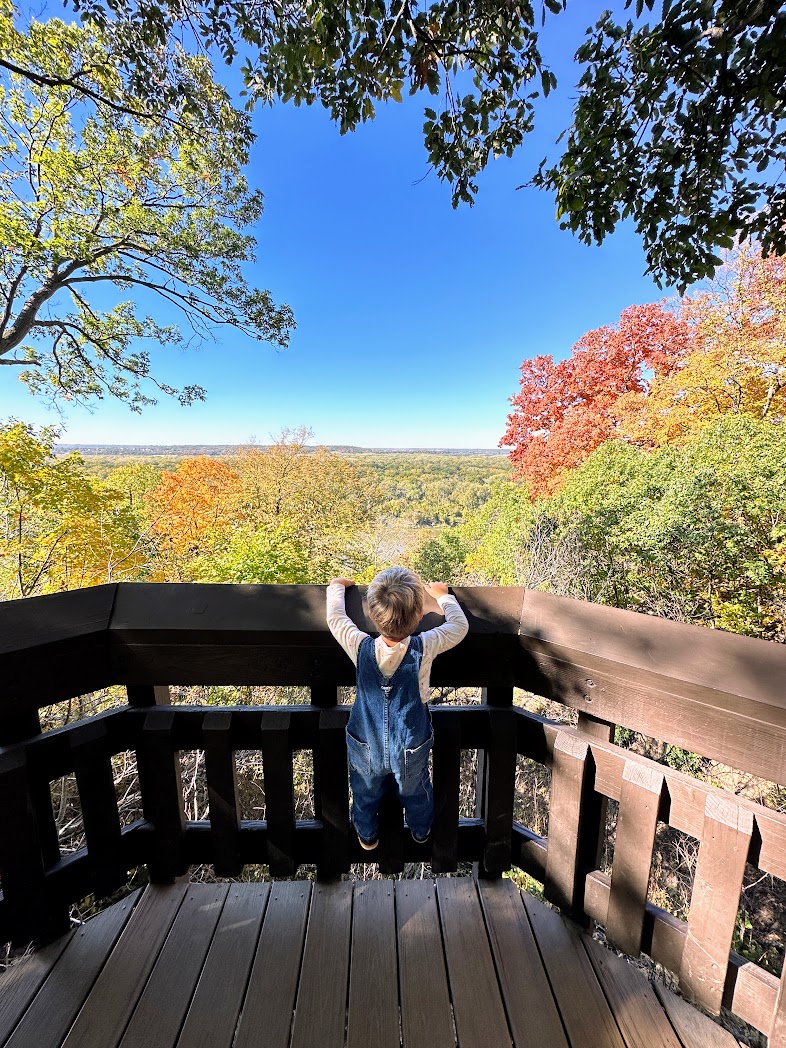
645 471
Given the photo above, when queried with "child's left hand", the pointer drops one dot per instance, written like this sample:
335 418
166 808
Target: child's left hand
343 582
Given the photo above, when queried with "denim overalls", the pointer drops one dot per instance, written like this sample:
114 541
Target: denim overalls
389 737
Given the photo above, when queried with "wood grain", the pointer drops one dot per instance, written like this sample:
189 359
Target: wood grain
426 1017
532 1013
322 993
104 1017
164 1002
639 1015
477 1003
215 1008
373 978
49 1017
266 1018
585 1012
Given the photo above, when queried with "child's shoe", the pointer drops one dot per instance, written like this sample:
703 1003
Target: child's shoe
420 840
368 845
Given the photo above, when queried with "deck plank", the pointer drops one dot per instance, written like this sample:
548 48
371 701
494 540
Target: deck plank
20 984
695 1029
477 1002
215 1009
320 1013
47 1020
266 1018
585 1012
104 1017
159 1014
373 1017
532 1012
639 1014
426 1018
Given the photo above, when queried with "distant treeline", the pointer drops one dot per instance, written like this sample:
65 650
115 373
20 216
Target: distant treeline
220 450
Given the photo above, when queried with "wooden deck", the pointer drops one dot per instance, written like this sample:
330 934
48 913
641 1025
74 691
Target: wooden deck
361 964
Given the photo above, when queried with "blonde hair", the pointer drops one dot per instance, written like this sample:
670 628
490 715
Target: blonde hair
395 602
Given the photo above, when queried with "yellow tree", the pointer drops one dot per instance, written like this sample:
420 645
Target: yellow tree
59 527
320 497
738 360
191 510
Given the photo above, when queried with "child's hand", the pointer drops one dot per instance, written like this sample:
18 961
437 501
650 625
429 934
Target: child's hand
343 582
437 589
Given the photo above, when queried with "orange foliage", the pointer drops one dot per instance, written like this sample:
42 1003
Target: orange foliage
193 505
738 363
565 410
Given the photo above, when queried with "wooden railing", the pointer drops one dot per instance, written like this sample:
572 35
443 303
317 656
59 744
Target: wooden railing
715 694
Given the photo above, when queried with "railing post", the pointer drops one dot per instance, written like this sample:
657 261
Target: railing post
224 811
597 805
640 800
572 845
715 900
330 771
279 792
160 785
31 915
447 781
324 697
496 782
89 743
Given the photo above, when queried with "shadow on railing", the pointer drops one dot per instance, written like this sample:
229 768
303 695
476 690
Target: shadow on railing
716 694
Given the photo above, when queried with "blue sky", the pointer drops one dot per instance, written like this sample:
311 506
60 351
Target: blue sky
412 318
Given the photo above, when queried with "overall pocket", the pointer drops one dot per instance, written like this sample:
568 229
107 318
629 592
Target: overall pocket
416 759
359 755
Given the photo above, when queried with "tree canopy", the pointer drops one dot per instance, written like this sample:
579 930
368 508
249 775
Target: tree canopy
99 196
678 124
659 376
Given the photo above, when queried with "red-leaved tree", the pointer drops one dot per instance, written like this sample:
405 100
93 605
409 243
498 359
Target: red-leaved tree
565 410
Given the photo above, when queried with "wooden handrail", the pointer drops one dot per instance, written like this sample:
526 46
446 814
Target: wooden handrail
717 694
713 693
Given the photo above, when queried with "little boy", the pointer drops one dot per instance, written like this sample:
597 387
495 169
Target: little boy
389 734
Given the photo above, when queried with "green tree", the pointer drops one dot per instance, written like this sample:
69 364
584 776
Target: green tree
442 558
678 125
60 528
101 197
678 122
693 532
261 554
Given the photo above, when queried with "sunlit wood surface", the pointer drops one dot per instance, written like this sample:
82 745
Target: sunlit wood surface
351 964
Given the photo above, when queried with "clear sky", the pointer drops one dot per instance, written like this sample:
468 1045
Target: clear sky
412 318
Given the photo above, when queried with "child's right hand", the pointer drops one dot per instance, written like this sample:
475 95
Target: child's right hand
343 582
437 589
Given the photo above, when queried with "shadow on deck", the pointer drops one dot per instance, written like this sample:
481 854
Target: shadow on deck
361 964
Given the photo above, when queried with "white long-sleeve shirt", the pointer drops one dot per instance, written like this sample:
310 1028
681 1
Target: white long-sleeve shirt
441 638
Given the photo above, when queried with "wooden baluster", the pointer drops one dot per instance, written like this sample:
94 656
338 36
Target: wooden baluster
330 770
496 788
776 1037
222 793
324 697
390 852
27 726
569 853
162 796
596 804
279 792
90 749
715 900
32 917
447 781
499 697
148 695
640 800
